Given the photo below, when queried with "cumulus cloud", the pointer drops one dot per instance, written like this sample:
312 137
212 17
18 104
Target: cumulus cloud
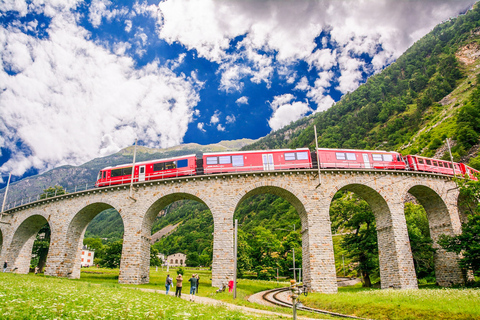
288 30
230 119
201 126
220 127
215 118
285 111
242 100
71 100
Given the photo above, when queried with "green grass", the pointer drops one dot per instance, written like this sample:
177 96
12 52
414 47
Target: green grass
38 297
401 304
59 298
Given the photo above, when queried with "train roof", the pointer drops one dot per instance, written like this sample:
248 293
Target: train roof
256 151
356 150
149 161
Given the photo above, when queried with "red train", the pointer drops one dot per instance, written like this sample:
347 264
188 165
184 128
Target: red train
281 159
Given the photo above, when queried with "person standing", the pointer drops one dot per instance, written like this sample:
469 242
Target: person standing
168 283
198 283
5 266
178 291
36 269
230 285
193 286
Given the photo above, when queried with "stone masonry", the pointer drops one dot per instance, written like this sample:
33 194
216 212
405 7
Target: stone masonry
385 191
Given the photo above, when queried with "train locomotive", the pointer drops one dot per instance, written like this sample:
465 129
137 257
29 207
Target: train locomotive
279 159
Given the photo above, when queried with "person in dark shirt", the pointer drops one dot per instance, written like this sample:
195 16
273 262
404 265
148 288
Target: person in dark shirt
168 283
193 286
5 266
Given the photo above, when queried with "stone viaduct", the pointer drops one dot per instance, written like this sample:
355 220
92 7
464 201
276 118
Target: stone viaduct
385 191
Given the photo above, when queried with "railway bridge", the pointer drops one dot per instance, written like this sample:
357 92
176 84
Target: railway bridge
68 216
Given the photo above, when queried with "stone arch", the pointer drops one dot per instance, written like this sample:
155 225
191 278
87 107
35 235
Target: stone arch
158 204
20 248
395 256
74 236
278 190
294 199
439 216
153 208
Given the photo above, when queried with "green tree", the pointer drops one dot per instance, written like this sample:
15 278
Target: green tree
354 216
40 248
113 254
468 242
154 259
52 192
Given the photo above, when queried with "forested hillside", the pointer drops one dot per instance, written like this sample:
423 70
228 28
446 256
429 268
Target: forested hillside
429 94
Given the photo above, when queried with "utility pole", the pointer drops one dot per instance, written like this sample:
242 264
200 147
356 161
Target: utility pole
451 158
6 191
235 264
133 169
316 153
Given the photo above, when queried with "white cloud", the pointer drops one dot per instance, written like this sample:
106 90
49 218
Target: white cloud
201 126
72 100
230 119
215 118
302 85
288 30
220 127
99 9
285 111
128 25
242 100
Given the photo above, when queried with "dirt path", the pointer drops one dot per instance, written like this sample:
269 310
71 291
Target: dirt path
214 302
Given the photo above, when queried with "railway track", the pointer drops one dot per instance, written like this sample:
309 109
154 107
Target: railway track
272 296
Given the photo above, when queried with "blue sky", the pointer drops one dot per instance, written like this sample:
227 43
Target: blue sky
83 79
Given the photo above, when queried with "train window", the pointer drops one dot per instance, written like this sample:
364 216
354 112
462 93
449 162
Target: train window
440 164
290 156
377 157
420 160
212 160
302 155
237 161
387 157
428 162
142 169
116 173
170 165
351 156
435 163
449 165
182 163
340 155
127 171
158 166
224 160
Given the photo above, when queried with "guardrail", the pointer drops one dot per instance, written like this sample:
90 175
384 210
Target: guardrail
189 172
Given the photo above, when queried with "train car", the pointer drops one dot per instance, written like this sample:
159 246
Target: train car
263 160
418 163
360 159
147 170
468 171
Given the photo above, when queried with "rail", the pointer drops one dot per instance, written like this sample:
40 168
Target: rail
276 301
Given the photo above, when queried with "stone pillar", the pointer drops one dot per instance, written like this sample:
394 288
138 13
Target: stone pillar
447 271
56 253
135 261
395 255
223 255
22 263
317 245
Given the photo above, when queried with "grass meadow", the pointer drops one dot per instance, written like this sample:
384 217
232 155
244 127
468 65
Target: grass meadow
97 295
38 297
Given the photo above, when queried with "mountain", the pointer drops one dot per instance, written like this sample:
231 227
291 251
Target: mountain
77 178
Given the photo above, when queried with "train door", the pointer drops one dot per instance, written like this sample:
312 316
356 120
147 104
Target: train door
366 161
267 162
141 173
